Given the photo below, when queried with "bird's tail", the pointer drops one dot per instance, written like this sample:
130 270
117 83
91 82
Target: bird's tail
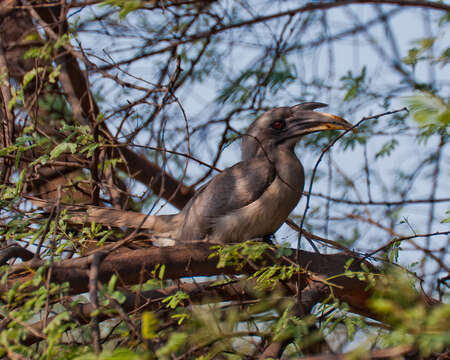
79 214
129 219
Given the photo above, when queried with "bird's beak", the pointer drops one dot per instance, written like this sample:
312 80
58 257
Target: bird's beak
307 122
323 121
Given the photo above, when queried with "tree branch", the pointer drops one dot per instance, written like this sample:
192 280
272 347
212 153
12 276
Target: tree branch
14 251
135 266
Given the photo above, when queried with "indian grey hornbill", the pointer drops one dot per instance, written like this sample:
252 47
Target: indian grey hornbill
249 200
254 197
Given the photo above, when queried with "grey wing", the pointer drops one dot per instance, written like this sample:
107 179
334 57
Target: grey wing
232 189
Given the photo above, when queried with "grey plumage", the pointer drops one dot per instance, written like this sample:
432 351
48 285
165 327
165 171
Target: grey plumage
253 198
249 200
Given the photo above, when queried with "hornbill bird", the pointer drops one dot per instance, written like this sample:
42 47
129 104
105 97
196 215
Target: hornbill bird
252 198
248 200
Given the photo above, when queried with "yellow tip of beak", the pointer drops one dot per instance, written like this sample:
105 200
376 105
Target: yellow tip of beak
336 122
330 122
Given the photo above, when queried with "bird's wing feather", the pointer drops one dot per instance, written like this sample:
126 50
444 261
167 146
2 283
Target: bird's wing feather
232 189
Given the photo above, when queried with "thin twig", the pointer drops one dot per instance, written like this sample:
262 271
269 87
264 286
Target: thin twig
97 258
328 147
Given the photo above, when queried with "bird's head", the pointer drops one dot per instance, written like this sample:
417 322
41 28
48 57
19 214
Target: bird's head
284 126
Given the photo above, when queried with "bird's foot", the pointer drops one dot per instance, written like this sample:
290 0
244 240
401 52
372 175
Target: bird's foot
269 239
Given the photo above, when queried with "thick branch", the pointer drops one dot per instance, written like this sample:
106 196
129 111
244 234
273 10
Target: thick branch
15 252
134 266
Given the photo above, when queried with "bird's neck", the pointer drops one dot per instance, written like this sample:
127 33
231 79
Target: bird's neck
286 157
288 167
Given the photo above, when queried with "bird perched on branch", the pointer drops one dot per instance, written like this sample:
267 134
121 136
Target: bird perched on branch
254 197
249 200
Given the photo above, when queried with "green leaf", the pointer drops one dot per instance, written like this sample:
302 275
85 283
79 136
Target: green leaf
62 41
354 84
61 148
180 317
32 53
444 58
54 74
176 341
446 220
112 283
149 325
430 112
412 58
20 181
30 75
176 299
90 149
351 329
427 109
284 250
126 6
162 270
14 99
387 148
7 150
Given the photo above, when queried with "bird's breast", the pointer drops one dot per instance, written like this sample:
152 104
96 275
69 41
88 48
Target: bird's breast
265 215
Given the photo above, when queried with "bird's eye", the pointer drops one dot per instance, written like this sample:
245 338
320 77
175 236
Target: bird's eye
278 124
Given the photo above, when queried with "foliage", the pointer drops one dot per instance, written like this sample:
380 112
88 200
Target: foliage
114 104
431 112
413 323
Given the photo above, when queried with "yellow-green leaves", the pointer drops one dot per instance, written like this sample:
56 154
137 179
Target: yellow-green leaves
354 84
431 113
176 341
238 254
149 325
61 148
176 299
412 321
125 6
270 276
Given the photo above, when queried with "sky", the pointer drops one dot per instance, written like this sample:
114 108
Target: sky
350 54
